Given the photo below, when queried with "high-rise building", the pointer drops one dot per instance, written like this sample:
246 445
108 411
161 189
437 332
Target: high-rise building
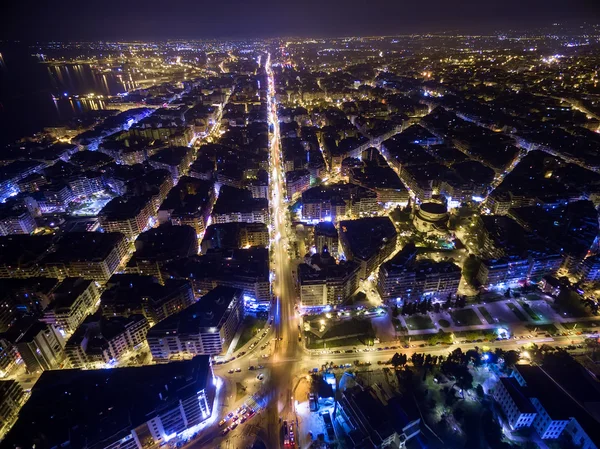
21 255
90 255
368 241
177 160
404 278
235 236
326 235
41 347
127 215
130 294
125 408
206 327
73 300
323 282
296 182
100 341
11 400
247 269
161 245
15 218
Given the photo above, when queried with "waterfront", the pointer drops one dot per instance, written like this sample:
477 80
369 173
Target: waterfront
27 88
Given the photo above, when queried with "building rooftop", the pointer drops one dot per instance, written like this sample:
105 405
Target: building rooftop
232 199
516 393
556 399
98 331
370 411
252 264
295 175
206 315
318 272
190 196
166 242
339 192
22 250
88 408
227 235
171 156
365 236
84 246
326 228
125 294
124 208
510 237
376 177
68 291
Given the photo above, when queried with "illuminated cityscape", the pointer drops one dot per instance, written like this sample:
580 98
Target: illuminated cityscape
302 242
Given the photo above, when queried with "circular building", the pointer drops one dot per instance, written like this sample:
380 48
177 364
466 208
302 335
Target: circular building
431 218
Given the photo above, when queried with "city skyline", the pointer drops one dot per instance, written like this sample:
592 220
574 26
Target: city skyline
269 19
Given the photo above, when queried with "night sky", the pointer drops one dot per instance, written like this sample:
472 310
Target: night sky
159 19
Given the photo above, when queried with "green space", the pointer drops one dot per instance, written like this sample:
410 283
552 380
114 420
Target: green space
516 311
444 323
486 314
401 215
547 328
465 317
582 325
470 269
250 327
569 303
440 338
474 335
415 338
311 343
419 322
344 333
527 308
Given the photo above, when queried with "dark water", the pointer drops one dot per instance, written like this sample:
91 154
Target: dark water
27 87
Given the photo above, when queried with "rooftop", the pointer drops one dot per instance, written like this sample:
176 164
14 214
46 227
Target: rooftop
232 199
206 315
516 393
68 291
166 242
250 263
93 407
125 208
85 246
365 236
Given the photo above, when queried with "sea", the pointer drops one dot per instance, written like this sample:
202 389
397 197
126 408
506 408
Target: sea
34 94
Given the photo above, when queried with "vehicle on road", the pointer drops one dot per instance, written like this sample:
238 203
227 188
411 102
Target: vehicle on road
286 435
291 434
238 370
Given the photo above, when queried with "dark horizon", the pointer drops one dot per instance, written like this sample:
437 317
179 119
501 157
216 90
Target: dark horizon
153 20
